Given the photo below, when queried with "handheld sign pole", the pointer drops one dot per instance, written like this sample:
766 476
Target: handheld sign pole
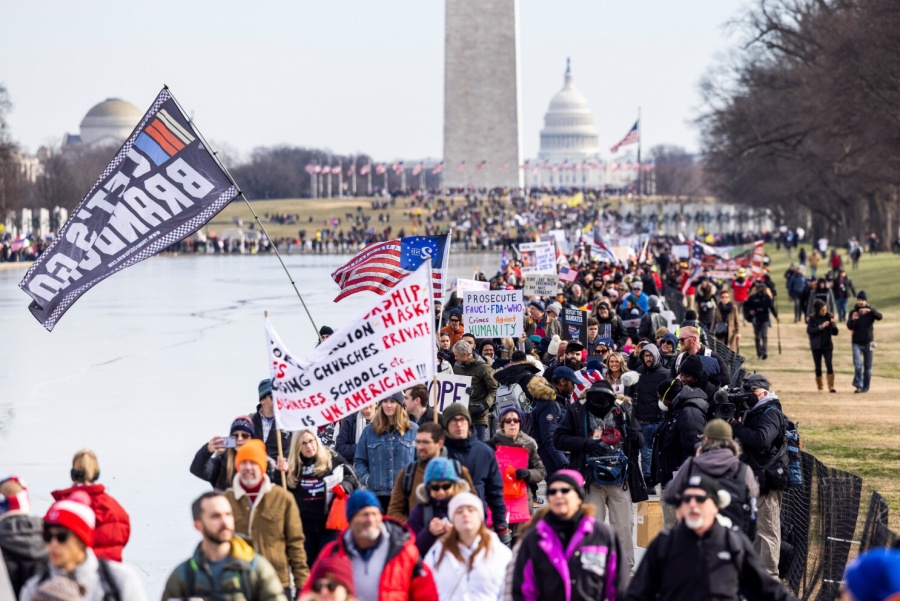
280 447
215 156
434 393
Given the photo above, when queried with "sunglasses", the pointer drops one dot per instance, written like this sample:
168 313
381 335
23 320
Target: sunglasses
455 320
552 492
701 499
602 349
681 340
61 536
321 585
511 420
242 436
445 486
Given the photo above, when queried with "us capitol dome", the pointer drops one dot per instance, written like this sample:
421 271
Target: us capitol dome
570 145
109 122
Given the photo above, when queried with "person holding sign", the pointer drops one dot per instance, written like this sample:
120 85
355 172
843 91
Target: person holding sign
386 445
511 435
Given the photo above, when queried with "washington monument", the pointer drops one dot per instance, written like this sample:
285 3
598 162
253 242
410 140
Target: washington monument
482 108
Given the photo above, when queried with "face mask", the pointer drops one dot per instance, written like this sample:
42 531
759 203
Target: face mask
600 405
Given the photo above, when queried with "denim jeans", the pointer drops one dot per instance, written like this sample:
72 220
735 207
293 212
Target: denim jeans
862 366
841 308
761 335
649 432
481 432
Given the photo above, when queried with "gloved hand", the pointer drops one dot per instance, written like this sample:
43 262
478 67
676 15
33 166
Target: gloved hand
505 535
339 491
594 447
521 473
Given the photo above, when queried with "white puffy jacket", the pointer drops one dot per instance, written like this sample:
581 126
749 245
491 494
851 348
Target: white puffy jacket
486 580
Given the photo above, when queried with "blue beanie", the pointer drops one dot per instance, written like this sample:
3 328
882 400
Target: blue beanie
265 388
359 500
512 409
874 576
440 469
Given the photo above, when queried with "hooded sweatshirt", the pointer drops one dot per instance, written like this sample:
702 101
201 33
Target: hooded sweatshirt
716 463
21 546
646 408
680 433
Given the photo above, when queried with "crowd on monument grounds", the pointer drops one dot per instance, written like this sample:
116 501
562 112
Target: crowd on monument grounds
395 502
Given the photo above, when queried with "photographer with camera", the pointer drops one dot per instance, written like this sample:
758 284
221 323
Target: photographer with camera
604 444
760 430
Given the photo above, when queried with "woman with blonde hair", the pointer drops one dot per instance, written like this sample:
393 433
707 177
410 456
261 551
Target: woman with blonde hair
616 366
386 446
469 562
113 526
316 475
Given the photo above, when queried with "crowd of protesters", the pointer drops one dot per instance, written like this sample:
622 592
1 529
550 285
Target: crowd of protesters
396 502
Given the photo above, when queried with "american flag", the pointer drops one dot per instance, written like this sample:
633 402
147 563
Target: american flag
697 262
460 165
365 169
310 168
417 169
378 267
632 137
380 169
438 168
600 249
351 170
317 169
567 275
586 379
397 167
336 170
504 261
481 165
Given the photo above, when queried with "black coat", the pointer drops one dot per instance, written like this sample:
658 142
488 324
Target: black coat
346 441
679 434
272 440
681 566
761 306
482 465
572 436
516 373
761 434
862 326
644 397
820 337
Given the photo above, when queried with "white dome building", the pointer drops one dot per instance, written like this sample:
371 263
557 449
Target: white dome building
570 146
109 122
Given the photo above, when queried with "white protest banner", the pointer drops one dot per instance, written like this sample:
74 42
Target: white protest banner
452 388
389 348
539 284
493 313
463 285
538 257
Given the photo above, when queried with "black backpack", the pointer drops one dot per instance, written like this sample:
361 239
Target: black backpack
742 509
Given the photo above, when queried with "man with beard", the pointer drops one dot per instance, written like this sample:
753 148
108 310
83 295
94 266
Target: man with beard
386 563
222 564
646 406
700 558
269 515
603 443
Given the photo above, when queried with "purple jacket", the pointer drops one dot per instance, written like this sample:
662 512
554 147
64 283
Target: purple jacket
588 568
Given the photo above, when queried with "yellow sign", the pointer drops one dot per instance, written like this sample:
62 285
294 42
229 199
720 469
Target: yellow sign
575 200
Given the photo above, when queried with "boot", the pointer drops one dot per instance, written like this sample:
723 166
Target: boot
831 383
819 383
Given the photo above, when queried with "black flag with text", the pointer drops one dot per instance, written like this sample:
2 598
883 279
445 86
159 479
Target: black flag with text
162 186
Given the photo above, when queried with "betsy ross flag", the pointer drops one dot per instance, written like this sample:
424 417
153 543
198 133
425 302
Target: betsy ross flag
600 250
632 137
163 185
378 267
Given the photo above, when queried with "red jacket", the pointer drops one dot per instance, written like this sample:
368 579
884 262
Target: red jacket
741 290
405 576
113 526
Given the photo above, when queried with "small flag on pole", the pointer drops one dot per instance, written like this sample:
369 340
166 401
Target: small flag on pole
601 250
632 137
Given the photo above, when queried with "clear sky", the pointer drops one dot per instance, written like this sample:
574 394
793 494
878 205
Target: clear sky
348 75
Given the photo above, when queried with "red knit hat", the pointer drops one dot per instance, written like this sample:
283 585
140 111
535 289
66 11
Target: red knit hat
336 567
74 516
253 450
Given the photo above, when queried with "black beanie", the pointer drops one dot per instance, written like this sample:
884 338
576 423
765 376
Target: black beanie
455 410
669 389
692 365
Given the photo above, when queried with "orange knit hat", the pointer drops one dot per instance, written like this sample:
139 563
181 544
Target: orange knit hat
255 451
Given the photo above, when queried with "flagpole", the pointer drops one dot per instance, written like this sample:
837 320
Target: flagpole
278 436
273 246
640 189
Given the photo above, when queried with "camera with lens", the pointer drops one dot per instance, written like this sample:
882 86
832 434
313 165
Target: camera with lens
729 402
